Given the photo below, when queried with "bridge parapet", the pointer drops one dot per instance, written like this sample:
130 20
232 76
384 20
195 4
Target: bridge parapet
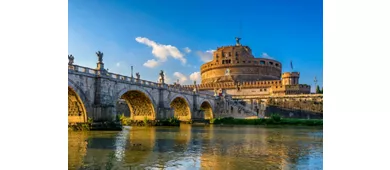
134 81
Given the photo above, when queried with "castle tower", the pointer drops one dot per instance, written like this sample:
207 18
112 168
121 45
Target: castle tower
290 78
236 63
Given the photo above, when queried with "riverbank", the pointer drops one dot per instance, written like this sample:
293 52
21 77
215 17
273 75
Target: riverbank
105 126
117 126
127 121
268 121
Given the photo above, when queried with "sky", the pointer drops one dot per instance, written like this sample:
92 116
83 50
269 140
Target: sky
178 36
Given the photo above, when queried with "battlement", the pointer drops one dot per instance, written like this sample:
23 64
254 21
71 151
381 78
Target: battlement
290 74
273 84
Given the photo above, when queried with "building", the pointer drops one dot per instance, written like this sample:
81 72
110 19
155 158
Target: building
236 72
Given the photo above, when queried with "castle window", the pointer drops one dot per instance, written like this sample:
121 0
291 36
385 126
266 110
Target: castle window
271 63
249 61
277 65
243 61
262 62
236 54
230 54
261 89
265 89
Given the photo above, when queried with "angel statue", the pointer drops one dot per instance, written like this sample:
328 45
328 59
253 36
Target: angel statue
100 56
162 77
71 59
194 90
137 75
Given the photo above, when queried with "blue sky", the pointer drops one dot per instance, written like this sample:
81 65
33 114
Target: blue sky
156 35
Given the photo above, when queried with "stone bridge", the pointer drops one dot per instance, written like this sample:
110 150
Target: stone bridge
93 93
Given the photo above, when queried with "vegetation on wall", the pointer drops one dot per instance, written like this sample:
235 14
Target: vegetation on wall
275 119
298 104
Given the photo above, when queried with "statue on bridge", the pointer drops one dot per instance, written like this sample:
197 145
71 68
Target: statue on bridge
162 77
100 56
71 59
137 75
194 90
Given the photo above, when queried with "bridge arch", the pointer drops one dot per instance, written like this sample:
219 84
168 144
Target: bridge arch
140 102
207 109
181 107
78 104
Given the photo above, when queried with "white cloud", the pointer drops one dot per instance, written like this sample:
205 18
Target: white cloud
161 51
187 50
118 64
182 78
206 56
265 55
195 76
151 63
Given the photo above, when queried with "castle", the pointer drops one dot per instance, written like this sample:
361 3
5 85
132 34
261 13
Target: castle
236 72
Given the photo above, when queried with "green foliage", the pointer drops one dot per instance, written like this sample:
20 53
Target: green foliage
146 120
173 121
79 127
125 121
318 89
275 117
90 120
275 120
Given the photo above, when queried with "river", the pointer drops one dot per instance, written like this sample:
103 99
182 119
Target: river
197 147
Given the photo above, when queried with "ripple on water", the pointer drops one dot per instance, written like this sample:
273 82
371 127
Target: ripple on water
197 148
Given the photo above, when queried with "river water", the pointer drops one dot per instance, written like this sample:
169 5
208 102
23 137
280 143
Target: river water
197 147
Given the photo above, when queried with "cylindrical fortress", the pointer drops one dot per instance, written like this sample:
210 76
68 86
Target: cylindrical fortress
237 64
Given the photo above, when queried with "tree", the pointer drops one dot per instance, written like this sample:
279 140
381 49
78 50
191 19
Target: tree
318 89
322 90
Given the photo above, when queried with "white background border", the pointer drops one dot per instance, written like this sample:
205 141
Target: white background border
33 85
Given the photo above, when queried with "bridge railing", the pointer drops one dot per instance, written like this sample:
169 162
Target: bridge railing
132 80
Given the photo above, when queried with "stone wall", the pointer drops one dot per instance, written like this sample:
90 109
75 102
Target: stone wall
228 108
292 113
123 108
296 108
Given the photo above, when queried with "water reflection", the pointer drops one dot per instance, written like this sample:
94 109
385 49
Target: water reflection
197 147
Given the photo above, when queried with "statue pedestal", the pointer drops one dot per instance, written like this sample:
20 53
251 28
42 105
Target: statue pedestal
100 66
